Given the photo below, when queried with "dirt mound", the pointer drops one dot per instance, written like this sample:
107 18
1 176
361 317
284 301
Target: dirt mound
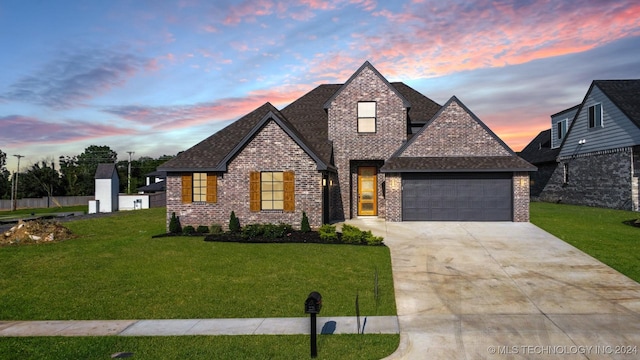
35 232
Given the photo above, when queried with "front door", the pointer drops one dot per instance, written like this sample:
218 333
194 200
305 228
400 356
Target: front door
367 194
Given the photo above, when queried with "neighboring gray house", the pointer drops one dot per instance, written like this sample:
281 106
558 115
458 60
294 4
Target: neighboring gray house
107 185
543 150
155 182
598 162
363 148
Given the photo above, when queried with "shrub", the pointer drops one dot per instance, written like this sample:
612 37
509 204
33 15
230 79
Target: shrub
188 230
174 224
252 231
351 234
371 239
216 229
271 231
234 223
304 227
202 229
328 233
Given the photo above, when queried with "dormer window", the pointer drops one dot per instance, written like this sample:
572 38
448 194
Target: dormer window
562 129
595 116
367 117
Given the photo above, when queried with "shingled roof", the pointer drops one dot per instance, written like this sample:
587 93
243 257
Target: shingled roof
625 94
105 171
306 119
539 150
505 160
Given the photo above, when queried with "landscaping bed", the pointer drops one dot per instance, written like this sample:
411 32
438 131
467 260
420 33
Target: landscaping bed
275 233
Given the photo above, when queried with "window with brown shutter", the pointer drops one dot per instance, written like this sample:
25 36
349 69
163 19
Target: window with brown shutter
199 187
272 190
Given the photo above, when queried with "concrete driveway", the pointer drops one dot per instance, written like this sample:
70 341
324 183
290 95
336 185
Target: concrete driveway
505 291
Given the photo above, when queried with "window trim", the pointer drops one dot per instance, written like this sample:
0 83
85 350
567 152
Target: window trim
255 192
199 187
591 116
273 188
209 184
561 128
363 117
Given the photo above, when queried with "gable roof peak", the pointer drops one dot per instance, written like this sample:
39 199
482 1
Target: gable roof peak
454 99
367 65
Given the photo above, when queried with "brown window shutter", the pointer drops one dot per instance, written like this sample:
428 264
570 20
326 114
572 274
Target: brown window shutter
254 191
187 188
289 191
212 188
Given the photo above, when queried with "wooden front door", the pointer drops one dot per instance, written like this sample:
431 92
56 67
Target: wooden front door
367 191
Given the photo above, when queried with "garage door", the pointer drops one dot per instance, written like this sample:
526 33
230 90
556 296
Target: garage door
457 197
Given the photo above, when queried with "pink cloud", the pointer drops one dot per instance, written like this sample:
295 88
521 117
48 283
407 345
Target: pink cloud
183 116
17 130
248 10
426 40
210 29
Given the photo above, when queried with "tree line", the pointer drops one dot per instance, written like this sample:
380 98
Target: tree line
75 175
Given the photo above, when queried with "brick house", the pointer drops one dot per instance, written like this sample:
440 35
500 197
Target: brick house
363 148
597 147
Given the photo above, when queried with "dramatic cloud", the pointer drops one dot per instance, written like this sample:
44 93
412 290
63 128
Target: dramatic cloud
75 78
433 38
16 130
184 116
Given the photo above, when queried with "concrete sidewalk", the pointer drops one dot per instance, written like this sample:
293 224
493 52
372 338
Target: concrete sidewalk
177 327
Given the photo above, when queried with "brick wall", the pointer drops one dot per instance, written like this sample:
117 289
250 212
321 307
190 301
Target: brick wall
521 197
600 179
455 133
271 150
348 144
393 190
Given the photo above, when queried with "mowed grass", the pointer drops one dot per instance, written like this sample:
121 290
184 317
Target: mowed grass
116 270
598 232
200 347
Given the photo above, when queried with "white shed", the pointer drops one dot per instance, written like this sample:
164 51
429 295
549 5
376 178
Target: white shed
107 188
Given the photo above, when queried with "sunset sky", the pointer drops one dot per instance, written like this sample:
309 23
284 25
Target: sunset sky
157 77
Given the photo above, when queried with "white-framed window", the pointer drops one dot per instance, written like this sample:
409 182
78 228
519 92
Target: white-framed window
272 190
199 187
595 116
366 117
562 128
565 175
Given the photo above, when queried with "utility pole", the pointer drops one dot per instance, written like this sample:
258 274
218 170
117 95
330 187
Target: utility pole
15 198
129 172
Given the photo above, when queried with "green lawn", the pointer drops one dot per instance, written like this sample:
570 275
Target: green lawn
600 233
344 347
116 270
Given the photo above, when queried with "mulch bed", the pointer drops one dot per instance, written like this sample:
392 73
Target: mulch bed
292 237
